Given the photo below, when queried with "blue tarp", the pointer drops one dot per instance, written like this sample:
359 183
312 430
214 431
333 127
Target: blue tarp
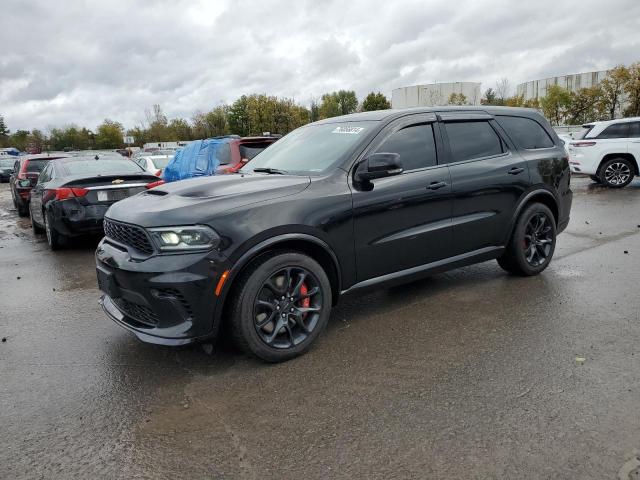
197 159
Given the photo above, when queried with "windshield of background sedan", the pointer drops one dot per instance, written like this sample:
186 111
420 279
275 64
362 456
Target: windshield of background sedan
312 149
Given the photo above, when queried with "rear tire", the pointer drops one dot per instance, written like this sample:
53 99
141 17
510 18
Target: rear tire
55 239
280 305
37 229
616 173
532 243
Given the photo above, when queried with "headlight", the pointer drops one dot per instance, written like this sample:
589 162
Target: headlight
196 237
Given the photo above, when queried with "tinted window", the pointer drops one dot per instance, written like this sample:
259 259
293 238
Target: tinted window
415 145
526 133
470 140
101 167
617 130
634 130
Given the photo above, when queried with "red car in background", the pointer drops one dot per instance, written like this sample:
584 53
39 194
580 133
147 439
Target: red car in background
26 171
243 149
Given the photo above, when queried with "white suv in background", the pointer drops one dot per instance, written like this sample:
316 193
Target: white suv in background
609 152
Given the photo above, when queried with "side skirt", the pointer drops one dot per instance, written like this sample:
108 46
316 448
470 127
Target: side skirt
415 273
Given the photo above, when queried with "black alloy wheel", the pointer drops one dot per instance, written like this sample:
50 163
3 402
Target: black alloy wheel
279 305
538 239
532 243
287 307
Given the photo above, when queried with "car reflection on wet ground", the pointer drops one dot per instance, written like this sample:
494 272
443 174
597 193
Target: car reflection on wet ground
468 374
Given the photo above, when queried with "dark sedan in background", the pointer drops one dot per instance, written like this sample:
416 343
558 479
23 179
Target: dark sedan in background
6 168
72 194
25 175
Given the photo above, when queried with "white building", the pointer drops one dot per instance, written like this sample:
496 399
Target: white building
434 94
572 82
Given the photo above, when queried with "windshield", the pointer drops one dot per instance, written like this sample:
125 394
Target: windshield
6 162
103 167
160 162
583 133
36 165
312 149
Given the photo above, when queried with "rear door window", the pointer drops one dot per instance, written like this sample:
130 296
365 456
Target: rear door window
415 145
473 139
634 130
525 132
617 130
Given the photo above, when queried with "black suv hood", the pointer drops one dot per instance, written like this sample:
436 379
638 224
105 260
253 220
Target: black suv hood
197 201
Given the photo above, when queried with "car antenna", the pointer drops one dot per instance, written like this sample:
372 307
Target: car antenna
96 157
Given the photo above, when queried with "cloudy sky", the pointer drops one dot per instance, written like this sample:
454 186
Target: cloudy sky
73 61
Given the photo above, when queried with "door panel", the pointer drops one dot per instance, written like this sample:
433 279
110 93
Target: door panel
404 221
485 190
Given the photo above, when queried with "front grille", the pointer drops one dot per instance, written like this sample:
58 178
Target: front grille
136 311
129 235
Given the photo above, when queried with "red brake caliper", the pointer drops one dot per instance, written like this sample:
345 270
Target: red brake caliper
305 302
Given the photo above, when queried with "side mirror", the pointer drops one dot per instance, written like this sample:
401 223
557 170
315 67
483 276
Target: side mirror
378 165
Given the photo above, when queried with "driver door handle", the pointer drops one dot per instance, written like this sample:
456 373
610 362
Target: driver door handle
436 185
515 171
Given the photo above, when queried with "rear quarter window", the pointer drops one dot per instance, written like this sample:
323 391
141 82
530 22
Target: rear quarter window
617 130
525 132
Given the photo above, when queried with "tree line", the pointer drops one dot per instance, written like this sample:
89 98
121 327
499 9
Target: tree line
252 114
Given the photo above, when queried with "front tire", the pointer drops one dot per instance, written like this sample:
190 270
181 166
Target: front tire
55 239
532 243
616 173
281 305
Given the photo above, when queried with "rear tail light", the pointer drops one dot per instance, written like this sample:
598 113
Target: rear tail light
158 173
154 184
64 193
583 144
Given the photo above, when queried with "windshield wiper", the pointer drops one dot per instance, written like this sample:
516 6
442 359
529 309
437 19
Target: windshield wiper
270 171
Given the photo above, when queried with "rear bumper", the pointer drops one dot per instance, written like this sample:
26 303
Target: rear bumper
165 299
70 218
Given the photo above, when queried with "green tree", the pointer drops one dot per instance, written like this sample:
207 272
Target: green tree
109 135
4 133
489 97
238 117
338 103
632 90
375 101
178 129
36 141
158 130
585 106
613 87
457 99
314 111
555 103
19 139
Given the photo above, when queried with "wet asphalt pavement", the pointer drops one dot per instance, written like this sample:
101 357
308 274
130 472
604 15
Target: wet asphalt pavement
469 374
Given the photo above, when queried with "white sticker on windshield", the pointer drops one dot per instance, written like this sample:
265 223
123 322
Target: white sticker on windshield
351 130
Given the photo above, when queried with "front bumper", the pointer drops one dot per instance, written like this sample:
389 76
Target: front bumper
164 299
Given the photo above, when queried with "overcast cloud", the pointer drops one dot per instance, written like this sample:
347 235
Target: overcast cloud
68 61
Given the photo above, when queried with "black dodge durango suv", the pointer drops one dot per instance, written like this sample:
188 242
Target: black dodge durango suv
338 205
